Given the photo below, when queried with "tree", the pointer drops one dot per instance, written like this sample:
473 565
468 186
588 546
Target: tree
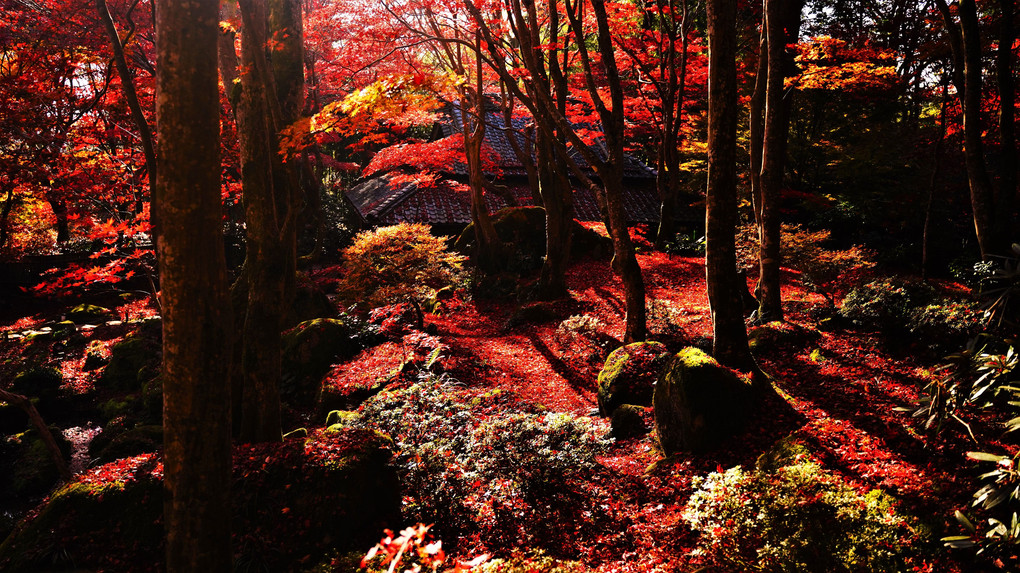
266 253
965 42
196 309
729 345
768 145
600 75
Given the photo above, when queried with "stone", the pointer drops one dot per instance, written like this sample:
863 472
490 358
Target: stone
90 314
628 421
629 375
698 403
134 358
309 350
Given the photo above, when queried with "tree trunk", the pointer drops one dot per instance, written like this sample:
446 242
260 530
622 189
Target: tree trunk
933 182
127 83
194 295
668 180
557 198
730 335
772 161
1006 203
227 55
266 253
756 121
981 194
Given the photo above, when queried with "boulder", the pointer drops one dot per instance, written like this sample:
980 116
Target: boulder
309 349
129 443
310 302
698 403
39 383
292 501
91 314
628 421
135 358
778 335
629 375
524 229
28 468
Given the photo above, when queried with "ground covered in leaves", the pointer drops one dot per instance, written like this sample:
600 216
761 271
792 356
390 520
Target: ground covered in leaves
499 444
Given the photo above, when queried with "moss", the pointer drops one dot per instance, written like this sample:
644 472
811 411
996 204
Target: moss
137 440
627 422
337 419
785 452
629 375
309 349
41 383
90 314
296 500
133 359
32 470
698 403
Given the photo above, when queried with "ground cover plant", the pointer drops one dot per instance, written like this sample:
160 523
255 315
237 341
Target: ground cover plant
499 447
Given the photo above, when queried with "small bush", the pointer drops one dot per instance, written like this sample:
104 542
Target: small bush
511 480
804 250
393 264
796 518
888 303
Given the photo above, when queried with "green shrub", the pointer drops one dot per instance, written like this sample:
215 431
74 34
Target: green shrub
510 480
393 264
794 518
888 303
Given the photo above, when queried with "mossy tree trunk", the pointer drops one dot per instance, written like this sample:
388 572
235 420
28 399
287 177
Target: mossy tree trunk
194 294
729 344
267 249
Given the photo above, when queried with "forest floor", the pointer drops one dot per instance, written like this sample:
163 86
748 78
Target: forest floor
843 393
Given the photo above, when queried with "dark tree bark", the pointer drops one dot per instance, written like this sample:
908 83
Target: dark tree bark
194 295
266 259
227 55
127 83
933 182
729 345
1006 201
965 42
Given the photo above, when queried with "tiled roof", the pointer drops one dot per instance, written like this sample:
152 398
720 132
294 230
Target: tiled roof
497 138
449 202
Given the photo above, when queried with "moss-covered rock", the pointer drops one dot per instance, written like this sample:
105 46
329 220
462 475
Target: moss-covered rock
309 349
628 421
532 313
310 302
698 403
293 501
96 356
629 375
779 335
129 443
90 314
524 229
39 383
28 468
134 359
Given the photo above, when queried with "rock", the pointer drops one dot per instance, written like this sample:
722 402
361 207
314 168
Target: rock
777 335
129 443
698 403
95 356
310 302
629 375
628 421
28 468
90 314
39 383
292 501
309 349
135 358
532 313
